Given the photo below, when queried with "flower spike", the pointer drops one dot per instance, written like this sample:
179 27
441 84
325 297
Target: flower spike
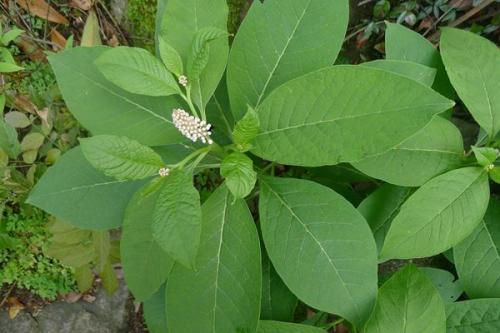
192 127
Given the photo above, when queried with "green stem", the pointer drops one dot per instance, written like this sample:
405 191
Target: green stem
188 158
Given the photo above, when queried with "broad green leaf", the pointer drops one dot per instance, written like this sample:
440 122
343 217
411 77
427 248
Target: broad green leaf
170 57
177 217
279 41
277 301
246 129
473 316
342 114
8 139
155 312
268 326
200 50
381 207
408 302
121 157
223 294
75 192
145 264
438 215
411 70
237 169
435 149
473 65
103 108
477 258
181 21
449 288
485 156
10 35
306 226
137 71
220 116
73 255
405 44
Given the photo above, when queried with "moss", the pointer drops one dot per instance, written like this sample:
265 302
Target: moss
140 16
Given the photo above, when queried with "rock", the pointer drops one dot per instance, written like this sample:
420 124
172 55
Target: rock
23 323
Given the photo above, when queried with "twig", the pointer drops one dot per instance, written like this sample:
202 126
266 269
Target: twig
364 2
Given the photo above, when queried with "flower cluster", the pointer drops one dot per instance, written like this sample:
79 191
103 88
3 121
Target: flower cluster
183 80
192 127
164 172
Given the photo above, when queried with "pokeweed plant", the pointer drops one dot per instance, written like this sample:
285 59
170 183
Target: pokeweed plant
275 100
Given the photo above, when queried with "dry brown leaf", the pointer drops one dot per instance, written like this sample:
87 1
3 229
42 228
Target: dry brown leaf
43 10
58 39
82 4
72 297
89 298
31 49
23 103
14 307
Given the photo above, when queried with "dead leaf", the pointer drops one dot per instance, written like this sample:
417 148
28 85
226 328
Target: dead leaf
113 41
23 103
91 32
58 39
14 307
43 10
89 298
32 50
72 297
460 4
82 4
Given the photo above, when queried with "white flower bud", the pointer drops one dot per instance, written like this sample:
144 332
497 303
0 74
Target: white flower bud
164 172
183 80
192 127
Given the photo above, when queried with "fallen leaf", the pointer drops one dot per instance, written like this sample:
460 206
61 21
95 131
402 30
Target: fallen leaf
89 298
43 10
58 39
31 49
14 307
72 297
82 4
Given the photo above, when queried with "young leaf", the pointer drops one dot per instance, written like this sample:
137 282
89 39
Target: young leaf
177 218
223 294
449 288
473 316
109 280
10 35
145 264
137 71
75 192
103 108
411 70
246 130
277 302
477 258
121 157
181 21
408 302
279 41
485 156
435 149
155 312
200 50
8 139
438 215
170 57
305 226
473 65
358 117
381 207
84 278
237 169
268 326
405 44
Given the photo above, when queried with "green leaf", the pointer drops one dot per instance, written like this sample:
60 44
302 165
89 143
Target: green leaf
449 288
473 316
6 67
279 41
305 226
495 174
102 245
103 108
84 278
268 326
411 70
137 71
477 258
10 35
17 119
145 264
433 150
77 193
155 312
120 157
200 50
8 139
109 280
277 301
438 215
170 57
381 207
32 141
177 218
181 21
408 302
405 44
485 156
246 129
220 116
237 169
223 294
358 117
91 35
473 65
